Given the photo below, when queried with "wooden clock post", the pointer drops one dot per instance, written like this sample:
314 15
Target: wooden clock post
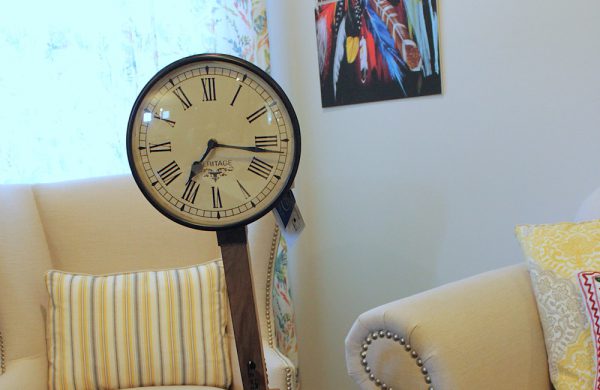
240 289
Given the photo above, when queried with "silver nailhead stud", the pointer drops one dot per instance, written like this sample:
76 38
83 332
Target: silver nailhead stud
387 334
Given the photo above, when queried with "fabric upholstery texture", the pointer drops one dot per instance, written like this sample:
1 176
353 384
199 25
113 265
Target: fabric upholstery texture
24 259
136 329
479 333
283 307
101 226
555 255
119 231
28 373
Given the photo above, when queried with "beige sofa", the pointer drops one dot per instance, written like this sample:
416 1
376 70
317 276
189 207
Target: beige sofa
480 333
100 226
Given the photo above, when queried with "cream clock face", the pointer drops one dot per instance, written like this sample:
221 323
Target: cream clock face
213 142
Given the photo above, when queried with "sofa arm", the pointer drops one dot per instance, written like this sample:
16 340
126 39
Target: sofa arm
29 373
479 333
281 371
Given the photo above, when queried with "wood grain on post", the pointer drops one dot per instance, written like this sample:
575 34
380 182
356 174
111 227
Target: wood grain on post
240 289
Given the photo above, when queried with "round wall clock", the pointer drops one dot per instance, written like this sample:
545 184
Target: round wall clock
213 142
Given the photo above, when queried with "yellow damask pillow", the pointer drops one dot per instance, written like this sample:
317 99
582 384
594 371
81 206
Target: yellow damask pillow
555 255
138 329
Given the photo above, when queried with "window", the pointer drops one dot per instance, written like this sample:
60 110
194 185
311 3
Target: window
71 70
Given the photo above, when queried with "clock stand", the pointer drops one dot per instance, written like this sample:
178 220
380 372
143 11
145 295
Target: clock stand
221 109
240 290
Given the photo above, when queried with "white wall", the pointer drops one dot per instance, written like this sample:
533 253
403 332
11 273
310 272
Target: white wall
405 195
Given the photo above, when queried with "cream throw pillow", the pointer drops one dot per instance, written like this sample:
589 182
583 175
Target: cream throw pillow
555 255
138 329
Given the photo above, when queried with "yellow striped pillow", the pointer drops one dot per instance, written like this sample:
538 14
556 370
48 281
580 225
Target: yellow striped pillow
138 329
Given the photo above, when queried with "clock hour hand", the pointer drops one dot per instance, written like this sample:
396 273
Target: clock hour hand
255 149
197 165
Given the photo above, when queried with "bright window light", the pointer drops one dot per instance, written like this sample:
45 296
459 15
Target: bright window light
71 70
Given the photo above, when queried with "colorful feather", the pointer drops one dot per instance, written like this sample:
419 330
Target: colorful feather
339 54
385 45
416 22
325 18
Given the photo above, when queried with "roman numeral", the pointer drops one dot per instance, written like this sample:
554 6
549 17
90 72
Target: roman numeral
182 98
235 96
216 195
264 141
244 191
149 115
169 173
209 88
170 122
260 168
164 147
191 190
257 114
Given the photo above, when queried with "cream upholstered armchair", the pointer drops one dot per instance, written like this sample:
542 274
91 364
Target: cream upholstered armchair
480 333
105 226
484 332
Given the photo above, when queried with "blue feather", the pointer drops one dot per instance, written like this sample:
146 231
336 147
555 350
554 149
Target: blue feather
385 44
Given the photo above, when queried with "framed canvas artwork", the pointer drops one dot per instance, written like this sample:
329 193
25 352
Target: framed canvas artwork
371 50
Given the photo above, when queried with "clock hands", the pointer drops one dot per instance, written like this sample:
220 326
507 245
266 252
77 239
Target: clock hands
255 149
212 144
197 165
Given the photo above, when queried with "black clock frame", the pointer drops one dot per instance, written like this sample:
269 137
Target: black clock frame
206 57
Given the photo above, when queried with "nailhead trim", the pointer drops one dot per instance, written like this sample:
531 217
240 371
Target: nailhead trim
269 288
383 334
288 378
289 383
2 356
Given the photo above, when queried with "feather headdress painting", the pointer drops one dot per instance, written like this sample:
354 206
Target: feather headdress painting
372 50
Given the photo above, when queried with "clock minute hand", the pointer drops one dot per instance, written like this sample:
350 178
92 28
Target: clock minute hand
247 148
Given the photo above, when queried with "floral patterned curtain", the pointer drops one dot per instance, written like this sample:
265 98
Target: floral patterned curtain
71 70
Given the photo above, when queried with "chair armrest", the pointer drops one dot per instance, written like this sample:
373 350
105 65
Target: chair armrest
280 370
29 373
281 373
263 238
479 333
